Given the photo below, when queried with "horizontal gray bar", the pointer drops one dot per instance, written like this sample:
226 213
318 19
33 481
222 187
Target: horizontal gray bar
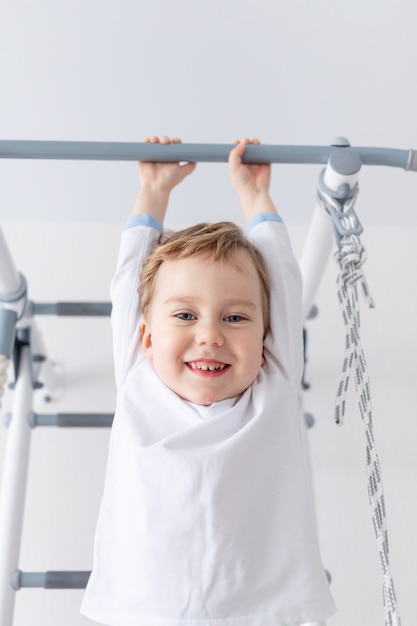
72 420
76 309
66 580
119 151
49 580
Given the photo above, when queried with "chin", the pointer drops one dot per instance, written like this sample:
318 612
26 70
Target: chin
207 401
202 399
211 399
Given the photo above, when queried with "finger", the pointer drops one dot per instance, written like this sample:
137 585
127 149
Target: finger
256 142
164 139
188 168
176 140
236 153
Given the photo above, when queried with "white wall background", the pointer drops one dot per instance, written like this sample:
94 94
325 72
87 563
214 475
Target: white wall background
290 72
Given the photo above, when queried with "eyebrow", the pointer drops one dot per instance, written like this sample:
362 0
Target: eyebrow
229 302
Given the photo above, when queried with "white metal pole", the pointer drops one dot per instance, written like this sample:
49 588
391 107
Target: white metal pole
312 263
9 276
13 487
315 255
319 242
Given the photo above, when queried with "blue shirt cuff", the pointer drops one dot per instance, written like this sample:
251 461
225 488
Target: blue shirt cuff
152 222
143 220
263 217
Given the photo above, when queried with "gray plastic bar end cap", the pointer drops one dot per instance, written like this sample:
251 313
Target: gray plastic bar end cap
14 579
412 161
341 142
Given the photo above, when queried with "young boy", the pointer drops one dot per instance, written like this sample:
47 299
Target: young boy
207 514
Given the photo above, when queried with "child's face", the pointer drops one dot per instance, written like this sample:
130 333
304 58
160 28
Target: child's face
204 330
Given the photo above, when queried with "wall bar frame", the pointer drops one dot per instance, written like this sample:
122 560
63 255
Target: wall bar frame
342 164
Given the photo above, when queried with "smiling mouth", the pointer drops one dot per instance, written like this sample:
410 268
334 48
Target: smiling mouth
203 366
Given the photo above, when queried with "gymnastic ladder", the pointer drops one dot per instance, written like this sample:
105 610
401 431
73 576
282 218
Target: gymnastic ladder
21 340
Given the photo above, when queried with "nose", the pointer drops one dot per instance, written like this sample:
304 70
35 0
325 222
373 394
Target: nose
209 332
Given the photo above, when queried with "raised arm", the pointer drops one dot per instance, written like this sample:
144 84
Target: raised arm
251 182
139 237
157 180
283 344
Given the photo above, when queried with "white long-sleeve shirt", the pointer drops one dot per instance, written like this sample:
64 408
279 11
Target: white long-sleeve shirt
207 515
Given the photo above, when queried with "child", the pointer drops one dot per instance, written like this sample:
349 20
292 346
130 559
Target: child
207 515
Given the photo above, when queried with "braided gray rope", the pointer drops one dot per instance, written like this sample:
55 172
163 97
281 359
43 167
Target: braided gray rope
351 257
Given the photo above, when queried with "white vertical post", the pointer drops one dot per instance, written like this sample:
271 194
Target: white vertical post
315 255
313 260
13 487
9 277
343 170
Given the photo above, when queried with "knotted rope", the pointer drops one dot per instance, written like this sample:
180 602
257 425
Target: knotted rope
351 257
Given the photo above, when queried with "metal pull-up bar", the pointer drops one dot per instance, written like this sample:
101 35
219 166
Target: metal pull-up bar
116 151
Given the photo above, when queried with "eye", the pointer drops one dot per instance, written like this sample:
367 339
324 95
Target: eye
187 317
234 318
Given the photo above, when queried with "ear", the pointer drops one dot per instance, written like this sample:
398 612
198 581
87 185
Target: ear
146 339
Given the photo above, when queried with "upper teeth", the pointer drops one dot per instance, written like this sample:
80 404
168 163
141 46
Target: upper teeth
198 365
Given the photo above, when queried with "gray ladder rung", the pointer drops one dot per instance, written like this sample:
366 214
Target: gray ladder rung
77 309
49 580
72 420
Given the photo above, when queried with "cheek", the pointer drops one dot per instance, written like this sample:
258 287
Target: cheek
253 353
168 345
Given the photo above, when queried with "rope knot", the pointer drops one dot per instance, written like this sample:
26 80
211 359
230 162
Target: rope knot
351 257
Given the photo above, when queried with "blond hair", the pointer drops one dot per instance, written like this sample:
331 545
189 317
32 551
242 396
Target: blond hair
217 242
